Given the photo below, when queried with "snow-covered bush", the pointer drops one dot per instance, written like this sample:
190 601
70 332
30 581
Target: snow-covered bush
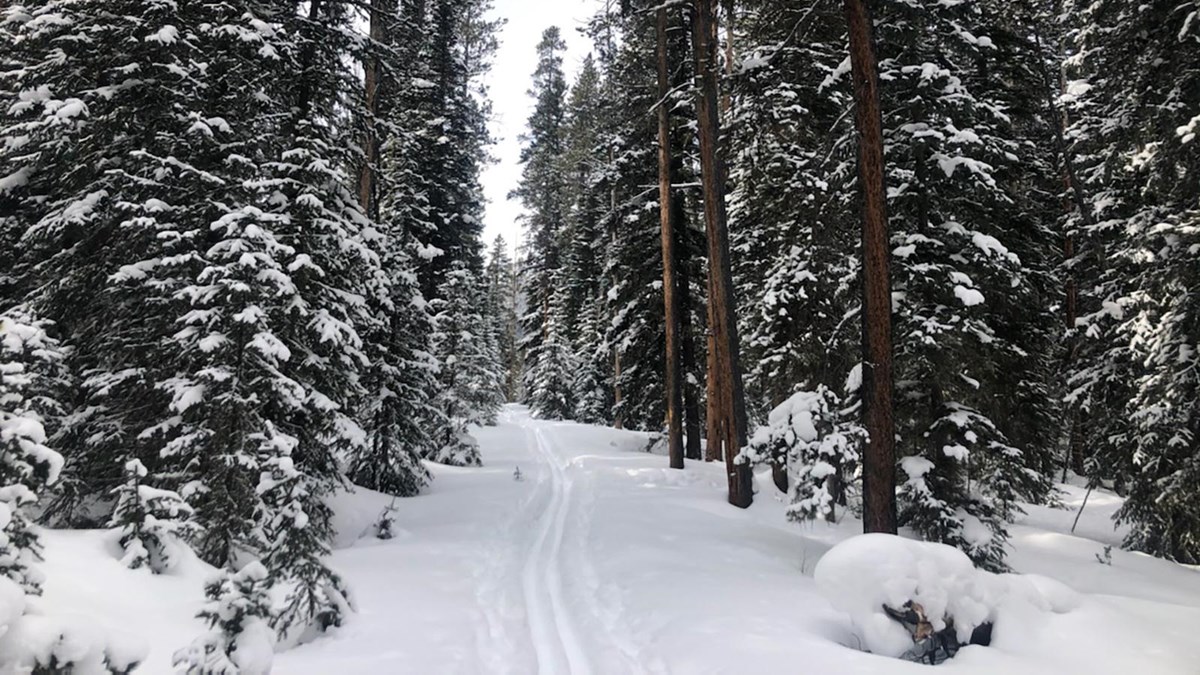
819 445
153 523
862 575
240 640
43 645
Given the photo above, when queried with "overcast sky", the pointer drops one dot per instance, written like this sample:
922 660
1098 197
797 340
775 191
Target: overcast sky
509 84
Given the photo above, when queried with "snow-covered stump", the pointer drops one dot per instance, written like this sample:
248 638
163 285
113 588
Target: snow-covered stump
923 601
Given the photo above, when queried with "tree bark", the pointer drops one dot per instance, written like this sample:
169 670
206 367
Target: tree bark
373 77
879 462
667 214
691 406
729 405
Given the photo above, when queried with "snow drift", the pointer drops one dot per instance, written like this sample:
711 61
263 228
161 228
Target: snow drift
862 574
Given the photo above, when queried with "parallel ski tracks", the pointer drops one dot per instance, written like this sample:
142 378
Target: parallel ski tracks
556 638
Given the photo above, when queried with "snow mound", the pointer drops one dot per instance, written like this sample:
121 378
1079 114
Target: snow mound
862 574
66 644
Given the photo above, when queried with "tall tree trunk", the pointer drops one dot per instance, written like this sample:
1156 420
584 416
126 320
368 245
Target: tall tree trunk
691 406
618 421
730 405
879 463
372 78
1073 197
667 214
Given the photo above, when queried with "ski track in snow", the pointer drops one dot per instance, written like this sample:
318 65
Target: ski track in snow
555 636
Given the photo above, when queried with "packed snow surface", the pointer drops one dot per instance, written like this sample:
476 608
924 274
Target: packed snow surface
602 560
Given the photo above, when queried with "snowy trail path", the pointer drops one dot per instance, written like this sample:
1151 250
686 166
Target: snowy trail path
555 635
603 561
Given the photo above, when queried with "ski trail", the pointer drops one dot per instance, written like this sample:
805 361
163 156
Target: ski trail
555 637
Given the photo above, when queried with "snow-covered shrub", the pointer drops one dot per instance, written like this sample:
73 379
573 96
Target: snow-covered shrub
862 575
240 640
42 645
819 445
153 523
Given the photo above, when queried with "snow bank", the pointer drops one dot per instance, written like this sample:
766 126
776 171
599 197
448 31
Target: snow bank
862 574
67 644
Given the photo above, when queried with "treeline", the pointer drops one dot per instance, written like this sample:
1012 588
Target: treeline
240 270
1042 180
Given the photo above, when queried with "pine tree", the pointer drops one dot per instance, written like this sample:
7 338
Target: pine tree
549 388
545 345
153 524
239 640
951 141
502 289
1136 70
296 538
27 465
819 442
468 368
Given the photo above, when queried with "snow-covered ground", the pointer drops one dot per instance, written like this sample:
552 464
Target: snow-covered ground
602 560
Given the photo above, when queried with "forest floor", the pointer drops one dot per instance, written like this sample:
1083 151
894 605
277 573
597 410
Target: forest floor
602 560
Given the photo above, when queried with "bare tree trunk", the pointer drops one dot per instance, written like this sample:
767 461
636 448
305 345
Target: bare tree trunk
373 76
727 99
667 214
879 463
691 406
618 422
730 403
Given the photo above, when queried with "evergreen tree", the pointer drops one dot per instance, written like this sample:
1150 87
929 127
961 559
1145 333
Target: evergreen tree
239 640
153 524
468 367
502 290
1135 105
545 345
296 537
27 465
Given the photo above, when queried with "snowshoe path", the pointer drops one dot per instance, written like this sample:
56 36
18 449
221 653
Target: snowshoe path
555 636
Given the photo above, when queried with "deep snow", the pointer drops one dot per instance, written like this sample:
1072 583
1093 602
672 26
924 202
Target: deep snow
602 560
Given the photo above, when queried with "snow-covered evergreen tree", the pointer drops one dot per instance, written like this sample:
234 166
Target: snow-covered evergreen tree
27 465
296 535
153 524
819 443
1135 76
502 296
469 374
541 191
239 640
548 383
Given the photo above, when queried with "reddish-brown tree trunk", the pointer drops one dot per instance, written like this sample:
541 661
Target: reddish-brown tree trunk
879 462
373 74
1073 196
667 217
729 406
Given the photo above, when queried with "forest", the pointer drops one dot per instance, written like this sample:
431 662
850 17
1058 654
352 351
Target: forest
914 263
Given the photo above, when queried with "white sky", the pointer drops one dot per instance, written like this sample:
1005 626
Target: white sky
508 83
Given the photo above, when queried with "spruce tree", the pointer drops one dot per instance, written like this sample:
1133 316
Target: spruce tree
1135 71
545 345
153 524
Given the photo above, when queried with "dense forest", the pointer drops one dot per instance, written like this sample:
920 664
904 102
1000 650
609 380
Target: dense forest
1041 206
926 260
